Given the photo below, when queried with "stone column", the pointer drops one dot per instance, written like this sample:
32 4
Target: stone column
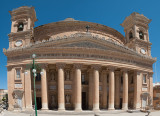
125 90
117 90
10 78
111 89
137 90
44 89
96 87
61 101
28 92
104 81
90 100
78 87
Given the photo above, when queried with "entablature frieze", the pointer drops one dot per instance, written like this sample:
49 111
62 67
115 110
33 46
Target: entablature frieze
81 56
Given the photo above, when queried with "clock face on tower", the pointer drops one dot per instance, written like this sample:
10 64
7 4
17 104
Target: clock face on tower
18 43
143 51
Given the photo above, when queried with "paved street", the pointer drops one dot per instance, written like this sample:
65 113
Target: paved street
84 113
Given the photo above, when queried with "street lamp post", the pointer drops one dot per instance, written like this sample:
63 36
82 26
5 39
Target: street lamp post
34 75
34 68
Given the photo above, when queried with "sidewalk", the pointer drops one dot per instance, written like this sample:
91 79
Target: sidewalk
84 113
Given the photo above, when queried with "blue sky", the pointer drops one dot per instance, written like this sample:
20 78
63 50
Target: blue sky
107 12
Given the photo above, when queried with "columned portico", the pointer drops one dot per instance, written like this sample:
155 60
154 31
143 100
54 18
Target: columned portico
125 90
61 105
78 89
111 89
96 87
44 92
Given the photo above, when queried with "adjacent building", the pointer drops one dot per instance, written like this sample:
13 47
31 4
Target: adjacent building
3 94
83 65
156 96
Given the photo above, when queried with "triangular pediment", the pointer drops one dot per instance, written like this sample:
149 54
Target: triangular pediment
86 44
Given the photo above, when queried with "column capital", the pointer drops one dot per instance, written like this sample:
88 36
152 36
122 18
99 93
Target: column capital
60 65
96 67
77 65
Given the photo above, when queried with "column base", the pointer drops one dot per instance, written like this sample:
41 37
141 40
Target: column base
28 109
44 109
111 107
96 107
78 110
124 106
96 110
61 107
44 106
137 106
10 108
78 107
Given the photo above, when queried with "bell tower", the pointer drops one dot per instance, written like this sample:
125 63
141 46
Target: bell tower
136 33
22 28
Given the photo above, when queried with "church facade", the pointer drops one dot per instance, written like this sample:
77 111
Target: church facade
83 65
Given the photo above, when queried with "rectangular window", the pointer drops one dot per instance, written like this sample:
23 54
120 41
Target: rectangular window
18 74
144 78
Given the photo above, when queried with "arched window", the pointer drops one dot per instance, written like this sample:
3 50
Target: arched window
130 35
20 27
141 35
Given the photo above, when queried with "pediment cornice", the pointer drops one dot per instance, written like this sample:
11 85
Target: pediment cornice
82 43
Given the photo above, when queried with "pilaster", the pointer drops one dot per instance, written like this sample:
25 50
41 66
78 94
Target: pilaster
10 78
27 89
